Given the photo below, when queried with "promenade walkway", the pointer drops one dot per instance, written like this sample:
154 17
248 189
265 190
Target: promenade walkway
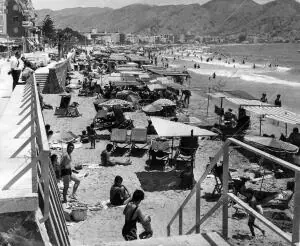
5 85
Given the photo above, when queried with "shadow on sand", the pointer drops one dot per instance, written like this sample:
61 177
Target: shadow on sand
160 181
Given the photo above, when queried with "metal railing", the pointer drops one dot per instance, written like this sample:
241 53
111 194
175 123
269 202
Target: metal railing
43 177
226 196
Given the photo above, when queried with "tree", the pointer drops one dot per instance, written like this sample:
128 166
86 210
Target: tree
48 28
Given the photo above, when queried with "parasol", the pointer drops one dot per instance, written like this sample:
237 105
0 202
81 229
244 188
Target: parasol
164 102
271 144
166 128
114 102
152 108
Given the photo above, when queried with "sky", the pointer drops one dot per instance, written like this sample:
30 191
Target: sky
61 4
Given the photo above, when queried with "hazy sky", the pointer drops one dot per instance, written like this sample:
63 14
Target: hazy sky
60 4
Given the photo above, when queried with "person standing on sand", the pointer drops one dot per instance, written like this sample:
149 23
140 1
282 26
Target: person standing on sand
277 101
264 98
252 201
66 173
92 136
133 214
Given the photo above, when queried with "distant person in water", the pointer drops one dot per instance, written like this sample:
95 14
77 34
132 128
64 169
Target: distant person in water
254 66
278 101
119 194
214 75
264 98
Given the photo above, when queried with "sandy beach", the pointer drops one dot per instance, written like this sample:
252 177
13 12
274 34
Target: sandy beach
162 198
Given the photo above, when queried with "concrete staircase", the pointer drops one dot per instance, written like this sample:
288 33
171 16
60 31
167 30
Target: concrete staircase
205 239
41 78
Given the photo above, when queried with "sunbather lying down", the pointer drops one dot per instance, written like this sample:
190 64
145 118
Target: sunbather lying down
106 161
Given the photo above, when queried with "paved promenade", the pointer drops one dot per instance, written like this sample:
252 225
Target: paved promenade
5 85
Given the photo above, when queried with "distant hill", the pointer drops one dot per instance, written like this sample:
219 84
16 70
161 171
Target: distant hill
214 17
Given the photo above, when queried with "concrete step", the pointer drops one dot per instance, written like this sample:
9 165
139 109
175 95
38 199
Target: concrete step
208 239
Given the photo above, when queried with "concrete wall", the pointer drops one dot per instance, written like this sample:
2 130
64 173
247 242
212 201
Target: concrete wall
57 78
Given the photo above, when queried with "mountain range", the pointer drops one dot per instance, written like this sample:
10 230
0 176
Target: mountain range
277 18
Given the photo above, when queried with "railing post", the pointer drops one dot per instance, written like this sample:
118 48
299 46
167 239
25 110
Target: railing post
296 219
180 221
225 190
198 190
168 230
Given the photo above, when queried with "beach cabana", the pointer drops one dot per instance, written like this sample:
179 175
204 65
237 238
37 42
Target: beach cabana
275 113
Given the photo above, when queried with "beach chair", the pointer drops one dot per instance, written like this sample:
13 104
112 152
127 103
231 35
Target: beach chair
139 136
159 152
119 136
65 109
187 149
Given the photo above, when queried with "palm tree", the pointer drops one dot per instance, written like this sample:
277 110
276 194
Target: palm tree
48 28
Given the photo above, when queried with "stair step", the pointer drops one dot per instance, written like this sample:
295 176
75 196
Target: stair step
207 239
215 239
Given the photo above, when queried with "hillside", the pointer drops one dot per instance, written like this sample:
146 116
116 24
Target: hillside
216 16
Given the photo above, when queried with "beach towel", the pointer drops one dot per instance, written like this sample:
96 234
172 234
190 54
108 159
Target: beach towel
106 204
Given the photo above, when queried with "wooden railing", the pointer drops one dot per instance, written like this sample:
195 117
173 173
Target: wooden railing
226 196
43 177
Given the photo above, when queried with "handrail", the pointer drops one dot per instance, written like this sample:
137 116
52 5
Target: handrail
204 175
228 196
261 218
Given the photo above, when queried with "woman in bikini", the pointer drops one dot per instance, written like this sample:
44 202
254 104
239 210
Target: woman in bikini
133 214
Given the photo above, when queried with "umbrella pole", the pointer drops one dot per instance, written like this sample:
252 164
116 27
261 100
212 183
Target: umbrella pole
260 120
286 133
207 101
172 150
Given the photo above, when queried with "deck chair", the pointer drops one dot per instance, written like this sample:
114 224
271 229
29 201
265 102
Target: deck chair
138 136
62 110
161 152
187 149
119 136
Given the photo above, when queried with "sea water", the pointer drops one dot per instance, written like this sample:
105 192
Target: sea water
282 77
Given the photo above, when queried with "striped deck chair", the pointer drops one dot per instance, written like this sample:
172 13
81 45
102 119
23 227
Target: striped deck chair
139 136
119 136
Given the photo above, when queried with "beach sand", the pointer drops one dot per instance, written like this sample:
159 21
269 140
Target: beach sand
161 201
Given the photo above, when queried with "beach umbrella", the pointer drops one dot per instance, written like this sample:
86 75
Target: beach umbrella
164 102
114 102
166 128
271 144
152 108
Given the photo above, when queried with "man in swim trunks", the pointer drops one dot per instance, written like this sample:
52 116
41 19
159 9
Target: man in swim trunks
66 173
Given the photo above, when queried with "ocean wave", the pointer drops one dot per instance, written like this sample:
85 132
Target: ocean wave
235 65
246 76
